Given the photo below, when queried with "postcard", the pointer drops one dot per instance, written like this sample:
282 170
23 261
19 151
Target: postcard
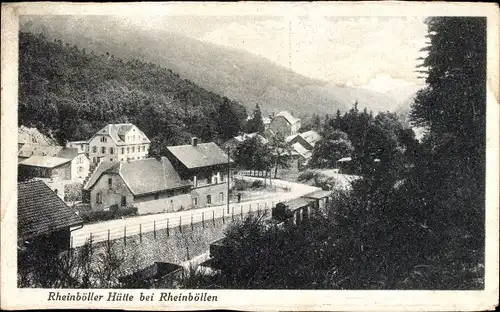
285 156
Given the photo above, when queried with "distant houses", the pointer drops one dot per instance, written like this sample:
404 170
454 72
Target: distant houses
284 123
43 218
232 143
118 142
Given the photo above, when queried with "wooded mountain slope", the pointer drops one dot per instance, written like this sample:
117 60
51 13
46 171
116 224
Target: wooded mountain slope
236 74
66 91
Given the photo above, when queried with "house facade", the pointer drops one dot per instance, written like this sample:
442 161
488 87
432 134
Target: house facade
285 124
207 167
81 146
118 143
45 167
152 185
38 161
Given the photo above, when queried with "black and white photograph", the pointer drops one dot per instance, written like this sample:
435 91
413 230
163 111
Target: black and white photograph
178 154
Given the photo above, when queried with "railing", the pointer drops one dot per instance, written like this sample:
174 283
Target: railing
173 222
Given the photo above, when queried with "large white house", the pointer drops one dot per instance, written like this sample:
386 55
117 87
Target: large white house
118 142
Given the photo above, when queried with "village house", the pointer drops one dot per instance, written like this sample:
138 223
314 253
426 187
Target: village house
152 185
27 135
284 123
39 161
207 166
42 217
118 142
81 146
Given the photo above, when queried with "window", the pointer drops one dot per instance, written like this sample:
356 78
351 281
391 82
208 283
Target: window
124 201
110 182
128 149
133 149
221 196
111 150
222 177
208 180
123 150
144 148
133 138
157 195
111 159
98 198
209 199
94 149
103 149
104 139
80 169
195 201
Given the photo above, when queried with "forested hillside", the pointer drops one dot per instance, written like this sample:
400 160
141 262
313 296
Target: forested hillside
236 74
71 93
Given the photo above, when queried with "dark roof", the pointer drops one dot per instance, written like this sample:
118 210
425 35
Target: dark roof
40 210
142 176
151 175
201 155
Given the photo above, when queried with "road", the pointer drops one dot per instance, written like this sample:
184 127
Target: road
116 229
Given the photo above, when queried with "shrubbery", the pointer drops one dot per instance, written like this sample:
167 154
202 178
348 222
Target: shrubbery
103 215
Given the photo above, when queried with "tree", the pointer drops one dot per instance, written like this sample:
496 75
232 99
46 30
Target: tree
280 152
252 154
333 146
453 106
255 124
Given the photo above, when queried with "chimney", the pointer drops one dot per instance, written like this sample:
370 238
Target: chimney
194 141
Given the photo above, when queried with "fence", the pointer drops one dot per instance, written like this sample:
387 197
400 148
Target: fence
173 222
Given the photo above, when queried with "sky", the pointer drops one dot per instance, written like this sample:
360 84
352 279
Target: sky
376 53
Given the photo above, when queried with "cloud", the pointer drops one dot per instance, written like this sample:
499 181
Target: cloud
339 50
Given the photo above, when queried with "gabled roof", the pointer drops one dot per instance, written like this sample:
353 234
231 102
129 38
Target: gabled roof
141 176
103 166
291 137
201 155
44 161
118 131
40 210
151 175
311 137
301 150
285 114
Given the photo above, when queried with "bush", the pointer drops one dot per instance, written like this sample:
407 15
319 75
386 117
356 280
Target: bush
306 175
103 215
257 184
